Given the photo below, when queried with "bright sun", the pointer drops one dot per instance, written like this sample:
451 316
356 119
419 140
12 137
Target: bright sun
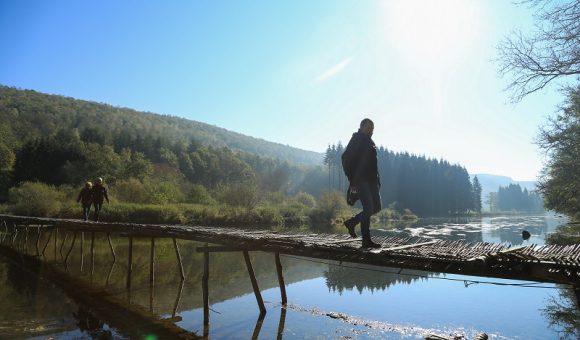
430 27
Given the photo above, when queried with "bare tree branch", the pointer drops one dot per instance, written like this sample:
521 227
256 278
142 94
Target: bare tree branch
531 61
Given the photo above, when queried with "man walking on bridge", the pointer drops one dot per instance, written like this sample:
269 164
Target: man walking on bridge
361 167
99 192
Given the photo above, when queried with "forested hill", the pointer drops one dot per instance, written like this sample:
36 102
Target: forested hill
27 114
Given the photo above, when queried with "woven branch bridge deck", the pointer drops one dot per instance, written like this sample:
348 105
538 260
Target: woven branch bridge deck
546 263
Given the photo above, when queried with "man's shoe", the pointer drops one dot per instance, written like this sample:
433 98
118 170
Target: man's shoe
350 224
370 244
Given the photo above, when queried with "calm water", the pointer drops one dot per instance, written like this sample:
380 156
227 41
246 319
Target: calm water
372 302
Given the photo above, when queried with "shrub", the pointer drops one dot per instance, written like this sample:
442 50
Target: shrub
240 195
270 214
199 195
131 191
275 198
35 199
305 199
166 192
330 205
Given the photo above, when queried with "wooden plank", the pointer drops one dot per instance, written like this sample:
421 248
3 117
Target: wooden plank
216 249
512 249
409 246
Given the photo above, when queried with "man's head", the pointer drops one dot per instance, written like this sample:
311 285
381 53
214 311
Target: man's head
367 127
99 181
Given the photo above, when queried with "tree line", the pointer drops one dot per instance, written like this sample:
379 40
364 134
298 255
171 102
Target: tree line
427 187
513 198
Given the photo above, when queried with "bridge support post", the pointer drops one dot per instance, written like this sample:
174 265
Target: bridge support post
48 241
177 299
281 323
152 264
281 279
111 246
38 234
130 262
92 254
82 249
178 259
71 247
258 327
5 233
25 248
205 288
254 283
14 235
63 241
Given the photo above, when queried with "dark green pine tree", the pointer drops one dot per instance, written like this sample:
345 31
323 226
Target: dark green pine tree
477 204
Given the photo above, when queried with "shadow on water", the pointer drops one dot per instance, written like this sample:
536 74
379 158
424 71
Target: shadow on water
82 292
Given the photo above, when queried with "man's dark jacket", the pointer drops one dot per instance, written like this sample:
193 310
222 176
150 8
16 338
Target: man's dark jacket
360 160
99 191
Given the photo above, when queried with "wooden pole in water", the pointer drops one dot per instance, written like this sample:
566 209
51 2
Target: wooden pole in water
92 254
281 278
178 298
25 249
110 272
55 241
152 263
71 247
205 288
130 263
111 246
281 323
178 259
254 283
151 297
48 241
14 234
258 326
5 233
63 241
82 249
38 234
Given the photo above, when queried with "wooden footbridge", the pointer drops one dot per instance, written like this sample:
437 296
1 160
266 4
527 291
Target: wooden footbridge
546 263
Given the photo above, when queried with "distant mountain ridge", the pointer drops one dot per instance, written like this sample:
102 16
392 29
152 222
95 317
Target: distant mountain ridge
490 183
26 114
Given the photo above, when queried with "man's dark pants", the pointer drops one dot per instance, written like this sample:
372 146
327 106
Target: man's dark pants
98 206
371 202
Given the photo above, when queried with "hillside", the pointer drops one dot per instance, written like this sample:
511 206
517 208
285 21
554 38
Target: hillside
27 114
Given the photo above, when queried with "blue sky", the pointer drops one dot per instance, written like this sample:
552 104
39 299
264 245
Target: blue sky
300 72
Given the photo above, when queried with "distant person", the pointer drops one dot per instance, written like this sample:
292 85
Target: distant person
86 198
361 167
99 192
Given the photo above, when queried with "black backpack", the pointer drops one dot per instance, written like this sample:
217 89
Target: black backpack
346 164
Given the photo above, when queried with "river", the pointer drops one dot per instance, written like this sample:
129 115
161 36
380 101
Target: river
326 299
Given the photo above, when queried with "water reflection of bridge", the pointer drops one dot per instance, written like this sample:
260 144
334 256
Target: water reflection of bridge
556 264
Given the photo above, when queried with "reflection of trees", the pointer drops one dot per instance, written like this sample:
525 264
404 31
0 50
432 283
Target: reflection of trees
563 314
350 276
565 234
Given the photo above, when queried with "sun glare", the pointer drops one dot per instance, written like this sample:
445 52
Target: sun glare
430 27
